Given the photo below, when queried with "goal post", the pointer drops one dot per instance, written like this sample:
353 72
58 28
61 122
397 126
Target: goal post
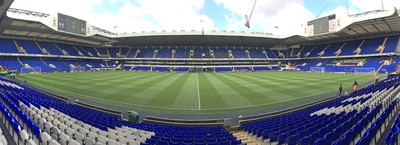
317 69
77 69
31 70
364 70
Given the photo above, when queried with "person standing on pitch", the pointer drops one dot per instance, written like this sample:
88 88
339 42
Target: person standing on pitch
340 89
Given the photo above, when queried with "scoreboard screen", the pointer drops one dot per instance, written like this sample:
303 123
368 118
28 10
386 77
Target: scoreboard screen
71 24
321 25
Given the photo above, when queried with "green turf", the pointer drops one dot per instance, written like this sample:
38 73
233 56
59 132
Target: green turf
191 92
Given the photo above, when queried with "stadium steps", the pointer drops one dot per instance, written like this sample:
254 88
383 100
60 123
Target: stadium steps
383 45
136 53
130 49
108 54
47 64
20 62
246 138
79 52
98 53
325 49
381 140
173 51
61 50
359 46
380 67
41 49
299 53
344 44
25 65
19 48
273 54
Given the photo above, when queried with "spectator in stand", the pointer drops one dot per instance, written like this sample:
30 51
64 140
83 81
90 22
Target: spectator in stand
355 88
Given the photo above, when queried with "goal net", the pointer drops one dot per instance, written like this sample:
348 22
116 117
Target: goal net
31 70
77 69
364 70
317 69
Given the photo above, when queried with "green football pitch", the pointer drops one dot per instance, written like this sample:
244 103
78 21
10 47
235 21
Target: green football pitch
195 92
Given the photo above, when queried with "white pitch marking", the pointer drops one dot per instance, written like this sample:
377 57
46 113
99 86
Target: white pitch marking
198 91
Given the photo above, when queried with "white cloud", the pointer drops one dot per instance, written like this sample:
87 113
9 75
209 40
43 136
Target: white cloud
76 8
369 5
142 15
339 11
288 15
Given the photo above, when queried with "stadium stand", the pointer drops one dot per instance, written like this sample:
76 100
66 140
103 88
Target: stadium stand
256 53
182 52
52 120
164 52
8 46
368 116
346 120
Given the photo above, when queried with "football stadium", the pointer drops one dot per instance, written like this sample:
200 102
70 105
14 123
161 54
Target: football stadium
67 81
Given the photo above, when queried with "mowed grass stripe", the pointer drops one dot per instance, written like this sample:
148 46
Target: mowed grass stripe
231 96
95 87
149 90
96 77
168 96
210 98
187 96
251 92
107 81
136 86
112 86
268 93
304 87
277 91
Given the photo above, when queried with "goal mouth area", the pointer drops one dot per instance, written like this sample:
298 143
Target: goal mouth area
317 69
30 70
369 70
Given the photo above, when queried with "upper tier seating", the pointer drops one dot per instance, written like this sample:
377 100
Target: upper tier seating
113 52
131 53
146 53
198 52
256 53
68 48
8 46
50 47
368 46
221 52
182 52
29 46
164 52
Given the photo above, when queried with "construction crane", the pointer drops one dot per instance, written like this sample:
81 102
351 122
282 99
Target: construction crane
247 24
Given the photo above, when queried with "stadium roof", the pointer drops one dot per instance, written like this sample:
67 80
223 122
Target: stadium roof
35 28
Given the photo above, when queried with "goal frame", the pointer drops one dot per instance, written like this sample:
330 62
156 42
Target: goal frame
30 70
372 70
77 69
317 69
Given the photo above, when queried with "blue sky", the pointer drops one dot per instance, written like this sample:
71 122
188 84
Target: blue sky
158 15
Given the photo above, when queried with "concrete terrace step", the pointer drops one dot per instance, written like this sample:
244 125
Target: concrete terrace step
245 138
